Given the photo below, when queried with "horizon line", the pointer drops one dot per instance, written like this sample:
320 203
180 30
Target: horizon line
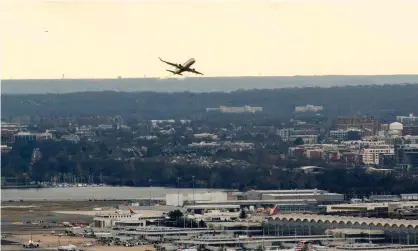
199 77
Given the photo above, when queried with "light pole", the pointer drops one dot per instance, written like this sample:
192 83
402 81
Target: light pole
178 191
150 191
194 203
30 217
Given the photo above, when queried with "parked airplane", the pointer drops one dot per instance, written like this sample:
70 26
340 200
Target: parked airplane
31 244
131 210
70 247
187 249
182 68
87 244
274 211
302 246
66 224
268 211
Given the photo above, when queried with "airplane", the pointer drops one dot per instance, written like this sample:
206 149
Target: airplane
131 210
274 211
88 244
302 246
66 224
187 249
70 247
31 244
268 211
182 68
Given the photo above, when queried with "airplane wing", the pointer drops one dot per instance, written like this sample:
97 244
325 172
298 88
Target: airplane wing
194 71
172 64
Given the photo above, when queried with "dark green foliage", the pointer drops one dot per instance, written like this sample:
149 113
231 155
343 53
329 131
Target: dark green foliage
104 162
174 215
298 142
66 160
384 100
177 219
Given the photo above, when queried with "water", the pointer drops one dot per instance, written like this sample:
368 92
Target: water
86 193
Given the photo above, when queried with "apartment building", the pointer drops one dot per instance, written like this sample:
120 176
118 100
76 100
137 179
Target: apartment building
369 124
370 156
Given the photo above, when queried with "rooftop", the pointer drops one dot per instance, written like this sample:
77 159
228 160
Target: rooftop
356 231
286 190
301 194
254 202
211 206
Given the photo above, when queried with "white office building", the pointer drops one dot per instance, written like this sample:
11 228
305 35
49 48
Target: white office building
407 119
178 199
297 194
309 108
371 155
241 109
123 219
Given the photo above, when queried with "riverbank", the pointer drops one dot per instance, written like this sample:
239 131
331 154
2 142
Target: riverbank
22 186
29 216
95 193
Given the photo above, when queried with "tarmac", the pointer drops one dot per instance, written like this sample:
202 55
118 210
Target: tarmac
21 220
51 242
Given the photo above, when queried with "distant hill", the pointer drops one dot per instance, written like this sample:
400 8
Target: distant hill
224 84
382 100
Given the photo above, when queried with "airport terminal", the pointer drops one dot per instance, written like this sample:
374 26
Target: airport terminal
271 220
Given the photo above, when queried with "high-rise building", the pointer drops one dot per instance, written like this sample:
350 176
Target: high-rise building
346 134
371 155
410 130
407 119
406 156
368 124
287 133
7 136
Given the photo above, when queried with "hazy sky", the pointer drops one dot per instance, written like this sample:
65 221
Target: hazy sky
106 39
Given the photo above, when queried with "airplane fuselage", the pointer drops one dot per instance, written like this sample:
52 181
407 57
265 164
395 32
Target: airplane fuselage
185 66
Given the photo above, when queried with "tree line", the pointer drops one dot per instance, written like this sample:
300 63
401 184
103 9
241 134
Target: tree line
385 101
66 160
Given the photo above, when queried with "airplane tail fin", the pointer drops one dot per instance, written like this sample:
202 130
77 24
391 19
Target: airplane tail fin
303 246
274 211
300 245
131 210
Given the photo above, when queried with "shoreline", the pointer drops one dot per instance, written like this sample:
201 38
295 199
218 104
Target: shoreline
12 212
3 202
22 186
105 193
